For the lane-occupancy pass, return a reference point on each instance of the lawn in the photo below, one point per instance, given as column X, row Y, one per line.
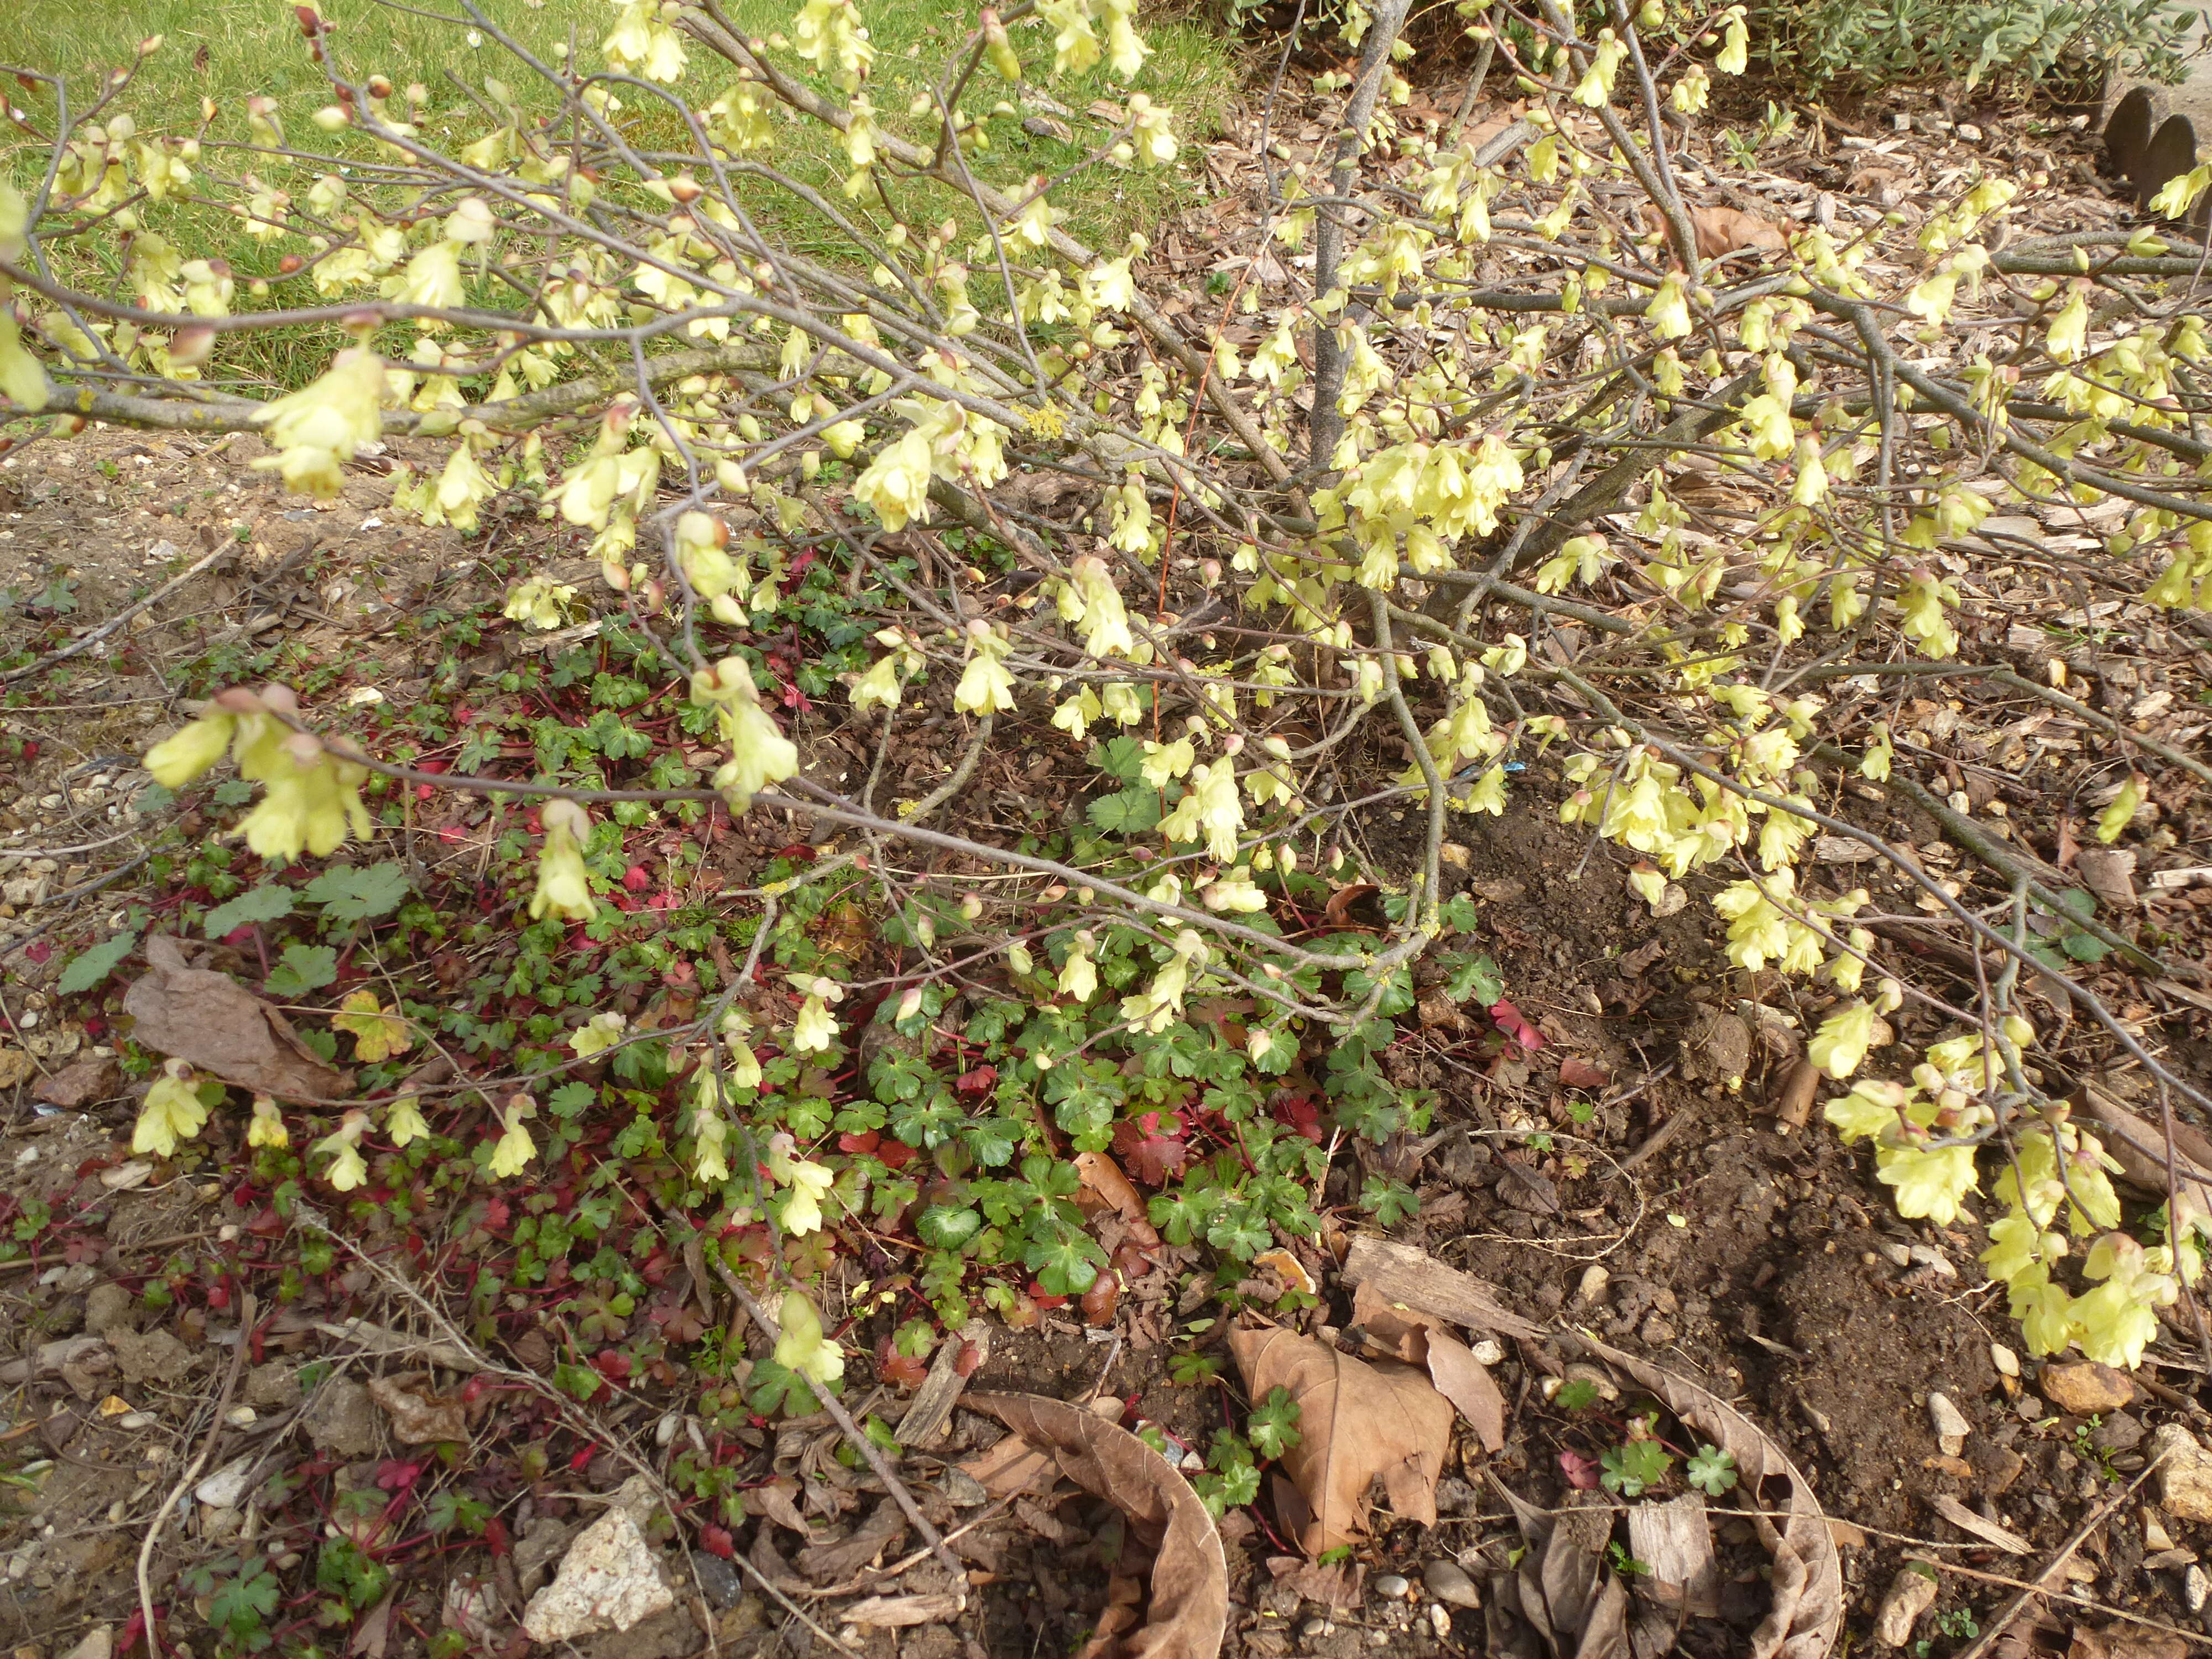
column 229, row 49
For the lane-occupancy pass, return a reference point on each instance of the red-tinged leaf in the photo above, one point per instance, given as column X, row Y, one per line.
column 799, row 852
column 393, row 1475
column 1301, row 1112
column 495, row 1214
column 1045, row 1298
column 981, row 1081
column 900, row 1370
column 716, row 1541
column 637, row 879
column 867, row 1141
column 40, row 952
column 611, row 1365
column 581, row 1460
column 495, row 1536
column 971, row 1356
column 1511, row 1021
column 1150, row 1147
column 1581, row 1471
column 896, row 1154
column 1577, row 1073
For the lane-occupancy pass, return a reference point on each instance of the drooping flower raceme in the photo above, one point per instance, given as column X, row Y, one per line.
column 759, row 752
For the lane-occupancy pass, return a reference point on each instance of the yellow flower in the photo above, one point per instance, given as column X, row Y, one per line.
column 600, row 1032
column 267, row 1127
column 514, row 1149
column 348, row 1169
column 800, row 1345
column 1843, row 1040
column 403, row 1120
column 564, row 889
column 173, row 1112
column 186, row 753
column 2121, row 813
column 22, row 378
column 1669, row 313
column 810, row 1184
column 1079, row 975
column 985, row 687
column 896, row 484
column 325, row 422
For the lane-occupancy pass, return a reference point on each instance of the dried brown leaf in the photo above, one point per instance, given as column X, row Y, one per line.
column 830, row 1563
column 1103, row 1177
column 1807, row 1613
column 1420, row 1339
column 420, row 1415
column 90, row 1078
column 1189, row 1607
column 1341, row 1585
column 1466, row 1382
column 1014, row 1465
column 211, row 1021
column 1356, row 1421
column 1723, row 230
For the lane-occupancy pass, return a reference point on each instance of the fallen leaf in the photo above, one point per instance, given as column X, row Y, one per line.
column 1566, row 1590
column 935, row 1608
column 1341, row 1585
column 218, row 1026
column 16, row 1066
column 1356, row 1421
column 1675, row 1541
column 1337, row 911
column 1723, row 230
column 88, row 1079
column 1188, row 1612
column 1413, row 1279
column 1151, row 1145
column 1511, row 1021
column 830, row 1563
column 778, row 1499
column 1288, row 1268
column 2126, row 1642
column 1103, row 1177
column 1806, row 1614
column 1574, row 1073
column 420, row 1416
column 1013, row 1465
column 1466, row 1382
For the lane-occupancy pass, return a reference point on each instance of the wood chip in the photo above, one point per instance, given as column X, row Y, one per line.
column 1989, row 1532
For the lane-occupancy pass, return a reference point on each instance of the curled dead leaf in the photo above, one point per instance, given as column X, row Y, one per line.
column 420, row 1415
column 1420, row 1339
column 1103, row 1177
column 1807, row 1613
column 1189, row 1605
column 211, row 1021
column 1356, row 1421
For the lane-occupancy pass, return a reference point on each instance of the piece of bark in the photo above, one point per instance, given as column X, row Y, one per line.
column 1675, row 1541
column 930, row 1409
column 1418, row 1279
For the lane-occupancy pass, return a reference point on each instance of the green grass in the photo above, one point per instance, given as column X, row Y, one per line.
column 226, row 51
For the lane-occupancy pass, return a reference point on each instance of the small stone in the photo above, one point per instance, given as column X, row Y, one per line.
column 1595, row 1277
column 611, row 1579
column 2156, row 1536
column 1969, row 133
column 2195, row 1588
column 2030, row 1407
column 109, row 1309
column 1928, row 1256
column 1951, row 1426
column 1391, row 1588
column 1896, row 1253
column 2119, row 1433
column 2006, row 1361
column 2165, row 1560
column 98, row 1643
column 1313, row 1627
column 2185, row 1473
column 225, row 1488
column 718, row 1578
column 273, row 1387
column 1488, row 1352
column 1910, row 1595
column 344, row 1419
column 1447, row 1582
column 2085, row 1389
column 1440, row 1621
